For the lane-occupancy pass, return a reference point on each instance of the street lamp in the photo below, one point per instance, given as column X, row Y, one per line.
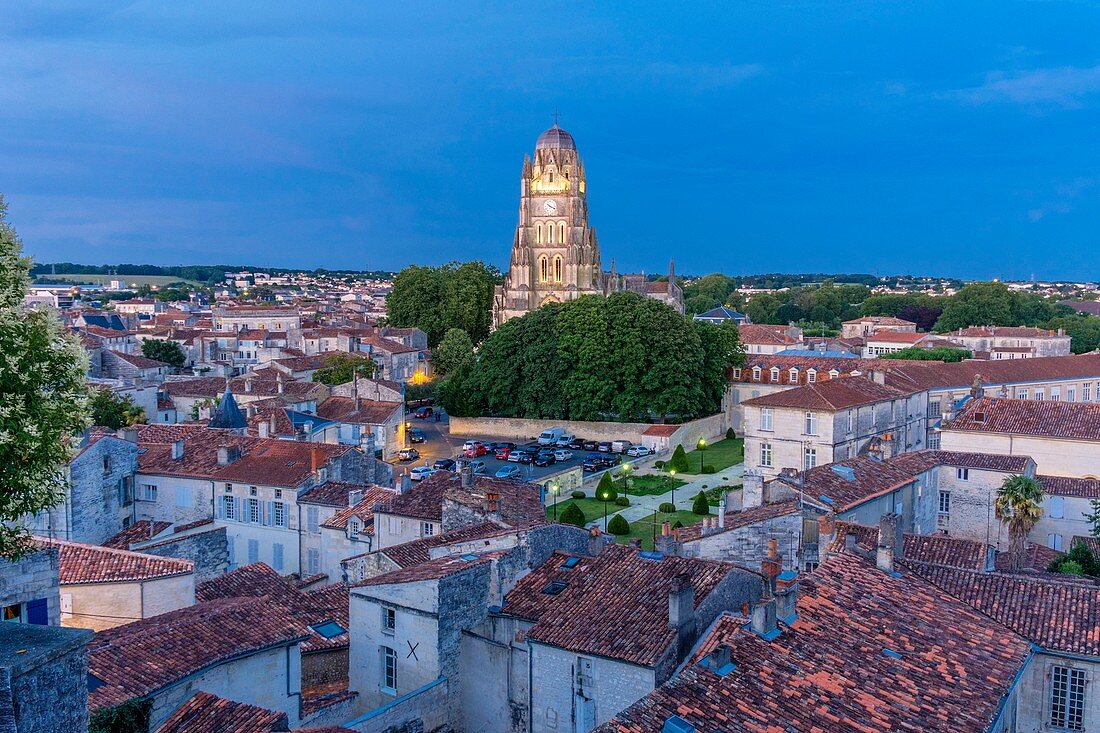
column 702, row 446
column 672, row 473
column 604, row 496
column 554, row 488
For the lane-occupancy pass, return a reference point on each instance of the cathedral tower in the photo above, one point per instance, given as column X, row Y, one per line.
column 555, row 255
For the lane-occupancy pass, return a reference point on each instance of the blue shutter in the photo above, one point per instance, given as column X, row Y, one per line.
column 269, row 513
column 38, row 612
column 277, row 556
column 221, row 507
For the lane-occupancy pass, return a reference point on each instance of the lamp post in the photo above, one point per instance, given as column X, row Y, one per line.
column 603, row 497
column 672, row 473
column 702, row 446
column 554, row 488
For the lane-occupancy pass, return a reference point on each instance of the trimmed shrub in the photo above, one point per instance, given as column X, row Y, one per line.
column 572, row 514
column 679, row 460
column 658, row 465
column 708, row 468
column 678, row 525
column 578, row 495
column 666, row 507
column 618, row 526
column 605, row 490
column 622, row 501
column 700, row 505
column 730, row 434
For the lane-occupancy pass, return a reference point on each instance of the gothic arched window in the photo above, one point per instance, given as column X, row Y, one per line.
column 557, row 269
column 561, row 232
column 544, row 269
column 538, row 233
column 550, row 232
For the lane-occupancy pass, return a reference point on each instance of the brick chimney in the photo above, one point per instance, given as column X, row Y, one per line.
column 681, row 602
column 466, row 477
column 772, row 564
column 891, row 543
column 177, row 450
column 722, row 512
column 248, row 384
column 492, row 503
column 314, row 458
column 596, row 541
column 764, row 619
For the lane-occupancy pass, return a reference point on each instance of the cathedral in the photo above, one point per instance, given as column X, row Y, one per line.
column 555, row 254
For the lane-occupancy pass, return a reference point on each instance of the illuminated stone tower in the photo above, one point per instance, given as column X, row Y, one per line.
column 555, row 255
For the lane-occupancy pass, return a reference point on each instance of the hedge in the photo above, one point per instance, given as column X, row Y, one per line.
column 622, row 501
column 573, row 515
column 578, row 495
column 730, row 434
column 618, row 526
column 666, row 507
column 700, row 505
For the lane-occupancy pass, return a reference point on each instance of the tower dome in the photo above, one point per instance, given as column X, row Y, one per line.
column 555, row 137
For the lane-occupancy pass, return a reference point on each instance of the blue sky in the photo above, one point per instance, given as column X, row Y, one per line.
column 887, row 137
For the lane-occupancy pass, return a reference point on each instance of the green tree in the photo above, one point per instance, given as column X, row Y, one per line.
column 618, row 525
column 722, row 350
column 1093, row 518
column 43, row 398
column 437, row 299
column 978, row 304
column 167, row 351
column 946, row 354
column 679, row 460
column 605, row 490
column 1019, row 506
column 114, row 411
column 456, row 350
column 572, row 514
column 1078, row 561
column 342, row 368
column 699, row 504
column 762, row 308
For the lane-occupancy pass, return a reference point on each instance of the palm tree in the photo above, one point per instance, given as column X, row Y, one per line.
column 1019, row 505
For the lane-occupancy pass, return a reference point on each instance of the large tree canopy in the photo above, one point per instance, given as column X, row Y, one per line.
column 43, row 398
column 623, row 357
column 167, row 351
column 437, row 299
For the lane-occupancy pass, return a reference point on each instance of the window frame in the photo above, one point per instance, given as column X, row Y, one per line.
column 388, row 682
column 1065, row 712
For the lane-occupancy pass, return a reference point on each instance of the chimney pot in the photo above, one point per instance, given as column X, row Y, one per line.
column 764, row 618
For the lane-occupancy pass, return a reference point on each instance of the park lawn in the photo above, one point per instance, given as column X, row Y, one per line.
column 643, row 528
column 722, row 454
column 592, row 508
column 649, row 485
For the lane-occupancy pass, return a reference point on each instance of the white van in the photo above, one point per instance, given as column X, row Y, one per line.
column 550, row 437
column 620, row 446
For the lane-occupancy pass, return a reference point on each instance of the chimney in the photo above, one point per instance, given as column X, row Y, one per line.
column 878, row 376
column 722, row 512
column 977, row 391
column 681, row 602
column 227, row 454
column 354, row 497
column 177, row 450
column 128, row 434
column 891, row 543
column 279, row 382
column 265, row 429
column 826, row 534
column 764, row 620
column 314, row 458
column 752, row 489
column 772, row 565
column 786, row 596
column 719, row 659
column 492, row 503
column 596, row 541
column 466, row 477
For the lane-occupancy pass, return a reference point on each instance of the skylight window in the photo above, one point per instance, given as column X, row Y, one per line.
column 570, row 563
column 554, row 587
column 469, row 557
column 329, row 629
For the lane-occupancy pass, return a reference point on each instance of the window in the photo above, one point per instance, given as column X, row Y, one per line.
column 278, row 515
column 228, row 508
column 811, row 423
column 353, row 527
column 561, row 235
column 1055, row 394
column 427, row 529
column 278, row 493
column 756, row 372
column 253, row 551
column 1086, row 391
column 1056, row 507
column 934, row 408
column 809, row 458
column 1054, row 541
column 766, row 454
column 557, row 269
column 811, row 376
column 737, row 373
column 313, row 520
column 538, row 233
column 277, row 556
column 793, row 376
column 544, row 269
column 1067, row 698
column 13, row 612
column 148, row 492
column 945, row 502
column 765, row 418
column 389, row 619
column 313, row 561
column 1071, row 394
column 833, row 374
column 1039, row 395
column 106, row 464
column 252, row 491
column 229, row 488
column 389, row 670
column 962, row 474
column 775, row 374
column 851, row 420
column 254, row 512
column 126, row 491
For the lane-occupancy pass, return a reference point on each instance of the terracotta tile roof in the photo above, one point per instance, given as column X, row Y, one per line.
column 738, row 520
column 247, row 581
column 206, row 713
column 335, row 493
column 1055, row 615
column 871, row 478
column 920, row 461
column 831, row 395
column 520, row 502
column 755, row 333
column 960, row 375
column 143, row 529
column 388, row 345
column 1080, row 488
column 440, row 567
column 821, row 365
column 1004, row 332
column 868, row 652
column 627, row 592
column 880, row 321
column 266, row 461
column 418, row 551
column 81, row 563
column 897, row 337
column 260, row 386
column 369, row 412
column 139, row 361
column 142, row 657
column 363, row 510
column 933, row 549
column 661, row 430
column 315, row 361
column 1042, row 418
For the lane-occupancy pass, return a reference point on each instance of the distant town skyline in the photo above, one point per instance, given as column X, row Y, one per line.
column 739, row 138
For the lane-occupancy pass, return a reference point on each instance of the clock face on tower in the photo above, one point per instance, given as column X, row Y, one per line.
column 551, row 206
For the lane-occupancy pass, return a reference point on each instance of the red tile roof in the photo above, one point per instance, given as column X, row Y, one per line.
column 880, row 321
column 141, row 530
column 363, row 510
column 142, row 657
column 872, row 478
column 830, row 395
column 933, row 549
column 417, row 551
column 335, row 493
column 1004, row 332
column 139, row 361
column 755, row 333
column 369, row 412
column 920, row 461
column 868, row 652
column 1080, row 488
column 897, row 337
column 1041, row 418
column 624, row 590
column 206, row 713
column 440, row 567
column 81, row 563
column 520, row 502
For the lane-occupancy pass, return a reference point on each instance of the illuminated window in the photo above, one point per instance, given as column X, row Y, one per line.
column 557, row 269
column 544, row 267
column 538, row 233
column 561, row 232
column 550, row 232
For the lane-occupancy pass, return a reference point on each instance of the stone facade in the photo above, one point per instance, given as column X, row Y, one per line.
column 43, row 679
column 208, row 548
column 29, row 590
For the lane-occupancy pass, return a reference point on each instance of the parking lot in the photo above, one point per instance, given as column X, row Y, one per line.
column 439, row 444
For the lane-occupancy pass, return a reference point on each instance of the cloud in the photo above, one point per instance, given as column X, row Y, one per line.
column 1065, row 87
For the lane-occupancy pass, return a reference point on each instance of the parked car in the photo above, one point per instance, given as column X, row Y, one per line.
column 470, row 444
column 520, row 456
column 610, row 459
column 476, row 450
column 416, row 435
column 589, row 445
column 421, row 472
column 604, row 446
column 620, row 446
column 444, row 464
column 501, row 454
column 637, row 450
column 565, row 440
column 592, row 464
column 551, row 436
column 561, row 454
column 509, row 471
column 545, row 458
column 423, row 412
column 477, row 466
column 498, row 445
column 408, row 454
column 576, row 444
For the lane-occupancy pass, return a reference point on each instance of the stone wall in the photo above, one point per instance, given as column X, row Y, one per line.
column 747, row 546
column 463, row 603
column 421, row 711
column 95, row 512
column 31, row 578
column 208, row 549
column 43, row 679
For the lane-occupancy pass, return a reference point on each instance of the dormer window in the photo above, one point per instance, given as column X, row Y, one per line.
column 833, row 374
column 793, row 375
column 775, row 374
column 811, row 375
column 353, row 527
column 756, row 373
